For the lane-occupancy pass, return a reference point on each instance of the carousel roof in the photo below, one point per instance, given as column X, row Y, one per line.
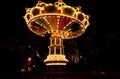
column 58, row 17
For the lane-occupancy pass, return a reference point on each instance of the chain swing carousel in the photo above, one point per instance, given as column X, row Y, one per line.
column 59, row 20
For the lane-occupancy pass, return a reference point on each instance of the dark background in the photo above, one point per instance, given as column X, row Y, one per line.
column 98, row 45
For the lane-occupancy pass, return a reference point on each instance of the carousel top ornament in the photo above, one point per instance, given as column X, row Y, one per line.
column 57, row 18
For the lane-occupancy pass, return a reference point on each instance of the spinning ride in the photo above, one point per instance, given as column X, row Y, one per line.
column 61, row 21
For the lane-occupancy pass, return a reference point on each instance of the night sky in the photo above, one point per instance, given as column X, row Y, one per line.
column 98, row 45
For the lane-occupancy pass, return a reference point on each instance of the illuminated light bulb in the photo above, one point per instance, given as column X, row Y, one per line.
column 29, row 59
column 60, row 0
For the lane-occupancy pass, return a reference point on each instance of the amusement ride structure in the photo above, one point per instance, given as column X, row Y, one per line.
column 59, row 20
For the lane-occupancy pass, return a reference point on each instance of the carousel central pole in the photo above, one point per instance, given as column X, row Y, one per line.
column 56, row 54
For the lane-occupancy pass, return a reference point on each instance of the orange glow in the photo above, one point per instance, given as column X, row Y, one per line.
column 60, row 0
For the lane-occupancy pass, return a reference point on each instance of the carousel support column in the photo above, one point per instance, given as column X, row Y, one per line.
column 56, row 58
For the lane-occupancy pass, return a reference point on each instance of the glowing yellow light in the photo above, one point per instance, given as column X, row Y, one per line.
column 56, row 59
column 55, row 64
